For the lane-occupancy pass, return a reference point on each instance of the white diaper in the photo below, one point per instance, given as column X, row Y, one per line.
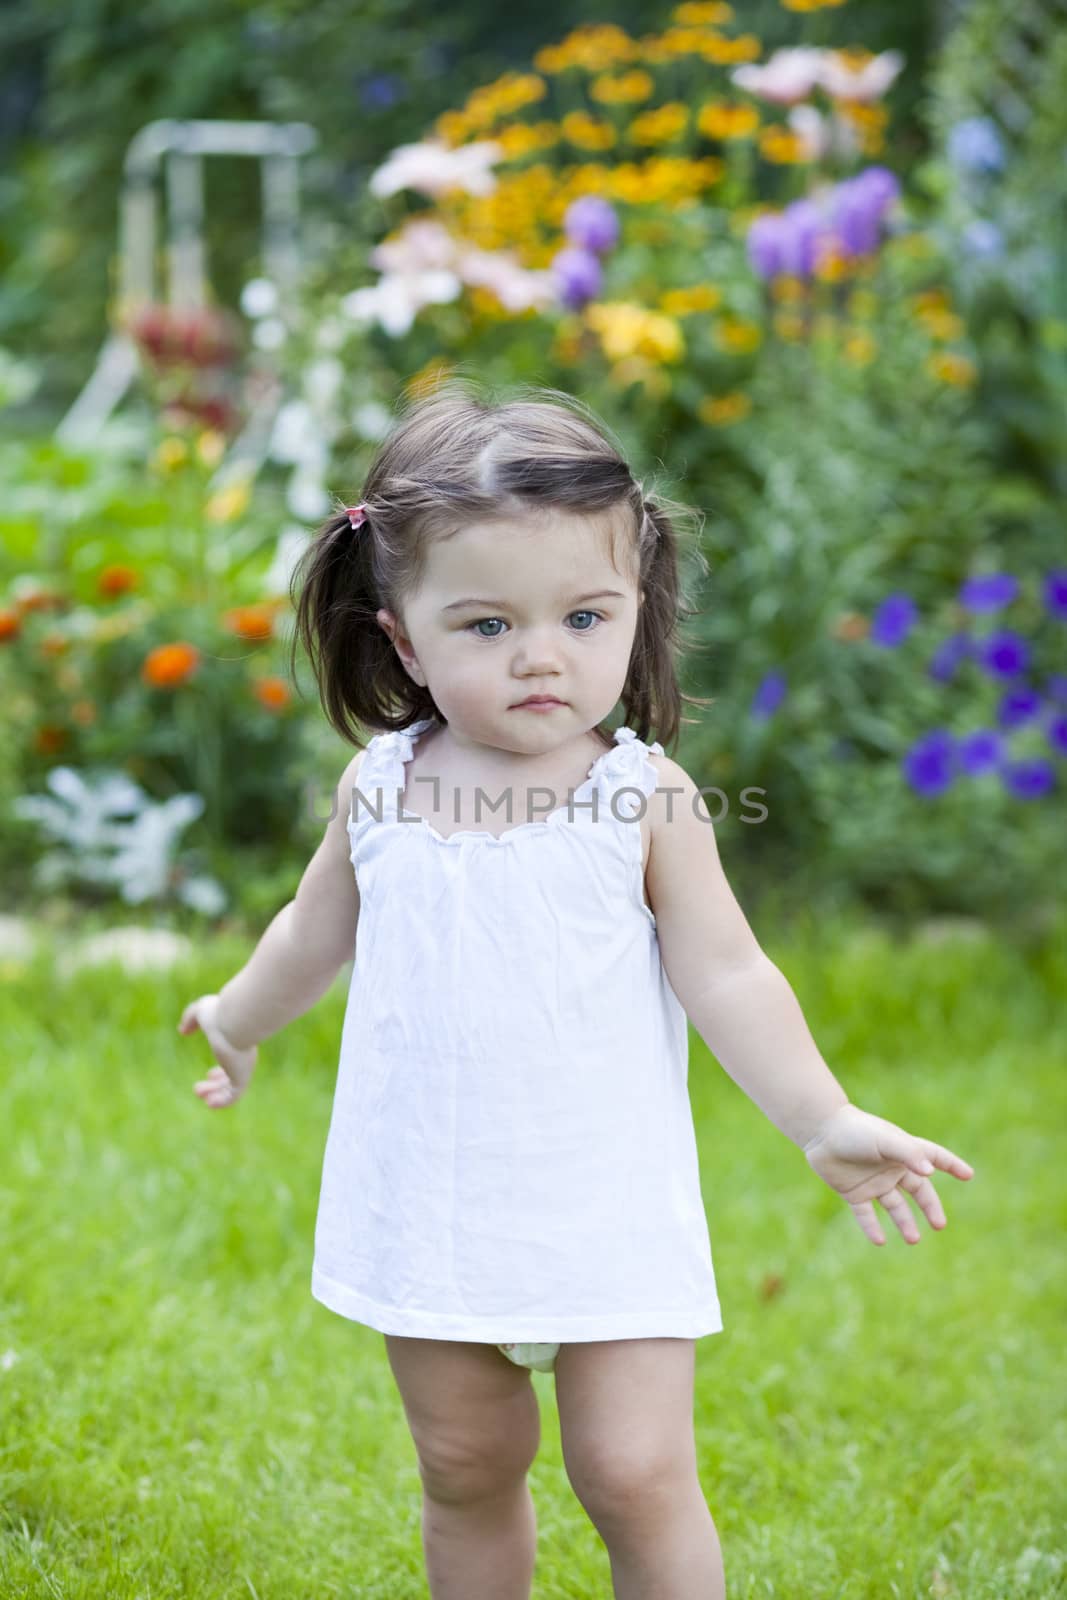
column 541, row 1357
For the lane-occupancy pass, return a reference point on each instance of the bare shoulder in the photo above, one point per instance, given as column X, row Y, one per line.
column 701, row 928
column 676, row 793
column 327, row 897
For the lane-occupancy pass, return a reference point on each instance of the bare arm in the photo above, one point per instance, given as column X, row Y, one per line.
column 740, row 1003
column 306, row 944
column 747, row 1013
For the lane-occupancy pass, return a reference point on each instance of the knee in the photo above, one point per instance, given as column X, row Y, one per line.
column 625, row 1486
column 460, row 1465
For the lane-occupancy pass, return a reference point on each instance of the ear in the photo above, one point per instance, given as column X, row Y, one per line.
column 390, row 625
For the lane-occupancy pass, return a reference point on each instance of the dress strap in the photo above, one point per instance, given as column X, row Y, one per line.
column 626, row 767
column 381, row 772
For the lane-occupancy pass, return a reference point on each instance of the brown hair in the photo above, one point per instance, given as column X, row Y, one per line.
column 455, row 457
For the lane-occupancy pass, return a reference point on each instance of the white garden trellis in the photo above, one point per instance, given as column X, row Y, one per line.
column 174, row 151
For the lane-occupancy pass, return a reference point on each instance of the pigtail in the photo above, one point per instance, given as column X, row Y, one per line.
column 359, row 676
column 652, row 698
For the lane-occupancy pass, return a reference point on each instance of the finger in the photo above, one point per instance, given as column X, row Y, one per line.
column 863, row 1211
column 947, row 1161
column 926, row 1198
column 898, row 1208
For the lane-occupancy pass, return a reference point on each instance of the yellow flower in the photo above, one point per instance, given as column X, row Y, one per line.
column 172, row 452
column 698, row 12
column 831, row 264
column 589, row 133
column 428, row 377
column 942, row 324
column 728, row 52
column 861, row 348
column 737, row 335
column 781, row 145
column 788, row 290
column 948, row 367
column 719, row 410
column 931, row 300
column 593, row 46
column 681, row 302
column 718, row 119
column 228, row 503
column 638, row 369
column 660, row 126
column 626, row 89
column 626, row 329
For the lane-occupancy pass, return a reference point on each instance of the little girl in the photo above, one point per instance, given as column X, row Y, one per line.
column 536, row 911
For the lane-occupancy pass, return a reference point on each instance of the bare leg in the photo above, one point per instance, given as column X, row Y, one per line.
column 672, row 1555
column 626, row 1423
column 484, row 1546
column 476, row 1425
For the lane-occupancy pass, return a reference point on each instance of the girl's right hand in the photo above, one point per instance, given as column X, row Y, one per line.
column 228, row 1081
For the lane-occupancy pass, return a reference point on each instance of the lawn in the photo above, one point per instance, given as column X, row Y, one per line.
column 180, row 1418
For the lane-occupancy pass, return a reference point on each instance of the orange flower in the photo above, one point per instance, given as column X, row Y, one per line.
column 850, row 625
column 272, row 693
column 54, row 644
column 250, row 622
column 48, row 739
column 116, row 579
column 719, row 410
column 169, row 665
column 10, row 624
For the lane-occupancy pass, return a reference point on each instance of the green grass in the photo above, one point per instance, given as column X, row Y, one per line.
column 178, row 1417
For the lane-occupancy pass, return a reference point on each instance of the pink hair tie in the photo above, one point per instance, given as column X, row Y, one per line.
column 357, row 515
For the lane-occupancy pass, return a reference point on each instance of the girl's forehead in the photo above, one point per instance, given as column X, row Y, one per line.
column 563, row 538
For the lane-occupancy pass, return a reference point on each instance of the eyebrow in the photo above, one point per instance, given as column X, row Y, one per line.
column 502, row 605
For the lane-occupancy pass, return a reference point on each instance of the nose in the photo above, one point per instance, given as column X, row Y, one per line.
column 536, row 653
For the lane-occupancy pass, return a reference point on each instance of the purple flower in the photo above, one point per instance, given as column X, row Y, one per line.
column 1017, row 705
column 975, row 145
column 979, row 751
column 948, row 655
column 1029, row 780
column 880, row 185
column 1004, row 655
column 800, row 240
column 1056, row 593
column 893, row 620
column 591, row 223
column 769, row 695
column 929, row 764
column 1056, row 733
column 856, row 216
column 578, row 277
column 765, row 244
column 988, row 592
column 1056, row 687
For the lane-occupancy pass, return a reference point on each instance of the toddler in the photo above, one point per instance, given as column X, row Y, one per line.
column 535, row 910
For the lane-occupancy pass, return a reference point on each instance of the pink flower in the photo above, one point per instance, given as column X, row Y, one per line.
column 843, row 81
column 786, row 77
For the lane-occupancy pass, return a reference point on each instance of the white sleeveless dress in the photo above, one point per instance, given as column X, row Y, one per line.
column 511, row 1153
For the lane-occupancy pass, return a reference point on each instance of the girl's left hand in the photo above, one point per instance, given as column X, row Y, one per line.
column 865, row 1158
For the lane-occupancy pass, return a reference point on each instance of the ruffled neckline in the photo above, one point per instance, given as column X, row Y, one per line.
column 398, row 747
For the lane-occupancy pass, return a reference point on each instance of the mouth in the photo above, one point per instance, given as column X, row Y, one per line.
column 538, row 700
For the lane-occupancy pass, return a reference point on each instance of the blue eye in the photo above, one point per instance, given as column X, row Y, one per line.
column 483, row 621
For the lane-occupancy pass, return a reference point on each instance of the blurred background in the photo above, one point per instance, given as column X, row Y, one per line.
column 808, row 262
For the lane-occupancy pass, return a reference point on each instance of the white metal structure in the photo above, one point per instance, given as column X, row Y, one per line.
column 175, row 150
